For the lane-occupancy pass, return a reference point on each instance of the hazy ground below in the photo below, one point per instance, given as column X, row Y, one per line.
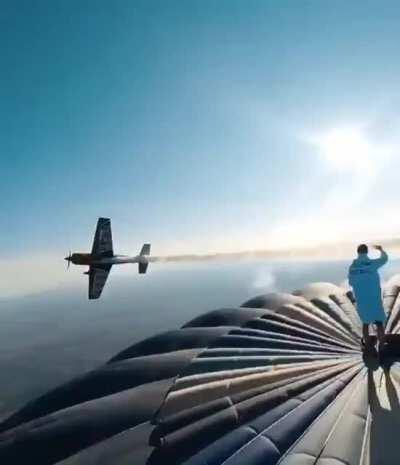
column 46, row 339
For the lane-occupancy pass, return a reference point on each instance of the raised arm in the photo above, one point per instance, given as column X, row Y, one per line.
column 378, row 262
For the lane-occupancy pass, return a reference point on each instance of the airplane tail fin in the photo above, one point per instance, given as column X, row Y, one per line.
column 145, row 252
column 145, row 249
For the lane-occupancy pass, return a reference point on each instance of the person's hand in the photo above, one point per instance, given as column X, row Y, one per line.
column 378, row 247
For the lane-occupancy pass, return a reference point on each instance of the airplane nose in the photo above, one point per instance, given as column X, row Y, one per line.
column 69, row 259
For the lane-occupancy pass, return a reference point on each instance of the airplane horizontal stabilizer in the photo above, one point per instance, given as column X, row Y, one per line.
column 143, row 268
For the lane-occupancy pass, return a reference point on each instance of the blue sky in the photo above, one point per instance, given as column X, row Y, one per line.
column 200, row 126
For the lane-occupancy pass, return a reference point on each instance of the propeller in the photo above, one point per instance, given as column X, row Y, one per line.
column 69, row 258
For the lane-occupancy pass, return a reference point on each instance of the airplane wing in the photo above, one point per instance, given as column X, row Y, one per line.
column 97, row 278
column 102, row 243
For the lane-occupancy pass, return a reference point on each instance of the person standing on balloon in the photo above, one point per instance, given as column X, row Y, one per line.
column 364, row 279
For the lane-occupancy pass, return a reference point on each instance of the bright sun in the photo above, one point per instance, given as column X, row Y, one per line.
column 345, row 148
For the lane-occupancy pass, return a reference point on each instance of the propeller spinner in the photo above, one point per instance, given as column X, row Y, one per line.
column 69, row 258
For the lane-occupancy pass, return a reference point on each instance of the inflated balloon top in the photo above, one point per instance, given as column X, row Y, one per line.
column 280, row 379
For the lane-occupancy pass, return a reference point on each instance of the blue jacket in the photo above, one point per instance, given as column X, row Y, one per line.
column 364, row 279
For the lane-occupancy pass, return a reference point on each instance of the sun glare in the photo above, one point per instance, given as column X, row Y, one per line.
column 345, row 148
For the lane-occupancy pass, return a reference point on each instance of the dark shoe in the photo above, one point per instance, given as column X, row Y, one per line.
column 382, row 346
column 369, row 343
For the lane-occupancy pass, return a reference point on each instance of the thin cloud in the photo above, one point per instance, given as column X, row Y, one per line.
column 264, row 280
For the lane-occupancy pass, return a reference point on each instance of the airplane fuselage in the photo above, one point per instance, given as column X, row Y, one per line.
column 90, row 259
